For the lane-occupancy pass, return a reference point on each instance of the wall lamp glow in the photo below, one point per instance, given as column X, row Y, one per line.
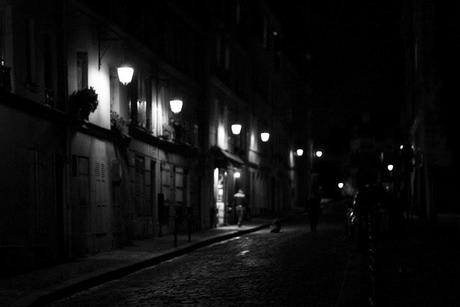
column 265, row 136
column 236, row 129
column 340, row 185
column 176, row 105
column 319, row 153
column 237, row 175
column 125, row 74
column 390, row 167
column 299, row 152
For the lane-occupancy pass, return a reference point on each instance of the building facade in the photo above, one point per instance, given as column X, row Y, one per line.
column 428, row 114
column 77, row 184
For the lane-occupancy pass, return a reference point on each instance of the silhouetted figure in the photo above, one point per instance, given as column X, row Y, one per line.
column 240, row 199
column 368, row 197
column 276, row 226
column 314, row 210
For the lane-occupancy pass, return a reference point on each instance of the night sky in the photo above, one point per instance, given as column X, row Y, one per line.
column 355, row 63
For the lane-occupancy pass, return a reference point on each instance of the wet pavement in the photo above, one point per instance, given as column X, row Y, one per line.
column 292, row 268
column 250, row 266
column 47, row 284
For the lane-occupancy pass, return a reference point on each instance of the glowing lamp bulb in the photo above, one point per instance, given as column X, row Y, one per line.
column 264, row 136
column 176, row 105
column 390, row 167
column 125, row 74
column 319, row 153
column 236, row 129
column 237, row 175
column 340, row 185
column 299, row 152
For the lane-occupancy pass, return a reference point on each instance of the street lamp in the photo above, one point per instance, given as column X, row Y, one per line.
column 340, row 185
column 176, row 105
column 319, row 153
column 125, row 74
column 299, row 152
column 264, row 136
column 390, row 167
column 236, row 129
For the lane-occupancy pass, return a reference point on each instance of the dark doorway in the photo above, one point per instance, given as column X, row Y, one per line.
column 59, row 177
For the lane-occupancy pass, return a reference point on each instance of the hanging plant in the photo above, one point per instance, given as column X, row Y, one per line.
column 83, row 102
column 168, row 132
column 119, row 124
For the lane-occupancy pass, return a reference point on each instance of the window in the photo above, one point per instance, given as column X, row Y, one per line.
column 141, row 102
column 164, row 195
column 144, row 101
column 5, row 79
column 30, row 54
column 2, row 34
column 82, row 70
column 142, row 187
column 227, row 58
column 166, row 182
column 114, row 90
column 48, row 70
column 238, row 13
column 133, row 97
column 159, row 116
column 218, row 49
column 265, row 33
column 179, row 185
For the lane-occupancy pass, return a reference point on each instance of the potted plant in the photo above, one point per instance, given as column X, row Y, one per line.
column 83, row 102
column 168, row 132
column 120, row 126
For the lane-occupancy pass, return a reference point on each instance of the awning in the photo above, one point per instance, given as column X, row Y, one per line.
column 224, row 157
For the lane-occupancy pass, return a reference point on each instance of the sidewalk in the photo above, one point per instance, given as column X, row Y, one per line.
column 49, row 284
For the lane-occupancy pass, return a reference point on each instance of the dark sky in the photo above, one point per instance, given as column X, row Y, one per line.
column 356, row 59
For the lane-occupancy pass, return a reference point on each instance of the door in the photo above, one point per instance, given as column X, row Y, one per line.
column 101, row 219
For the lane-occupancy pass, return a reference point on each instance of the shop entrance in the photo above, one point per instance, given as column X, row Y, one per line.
column 220, row 193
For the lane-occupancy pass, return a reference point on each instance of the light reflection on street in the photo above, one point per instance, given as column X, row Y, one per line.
column 243, row 253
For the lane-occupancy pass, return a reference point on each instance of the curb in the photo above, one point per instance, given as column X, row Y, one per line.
column 46, row 297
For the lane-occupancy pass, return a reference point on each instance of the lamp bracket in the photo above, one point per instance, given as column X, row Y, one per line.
column 101, row 50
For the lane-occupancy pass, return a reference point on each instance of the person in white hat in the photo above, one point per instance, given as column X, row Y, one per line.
column 240, row 198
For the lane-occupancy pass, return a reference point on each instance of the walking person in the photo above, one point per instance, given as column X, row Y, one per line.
column 240, row 205
column 314, row 210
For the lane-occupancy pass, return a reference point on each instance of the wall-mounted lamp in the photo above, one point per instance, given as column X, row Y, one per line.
column 390, row 167
column 236, row 175
column 264, row 136
column 299, row 152
column 319, row 153
column 125, row 74
column 340, row 185
column 176, row 105
column 236, row 129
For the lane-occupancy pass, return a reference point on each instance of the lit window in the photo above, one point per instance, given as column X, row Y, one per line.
column 82, row 70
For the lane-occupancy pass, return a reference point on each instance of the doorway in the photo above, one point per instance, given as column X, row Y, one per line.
column 220, row 193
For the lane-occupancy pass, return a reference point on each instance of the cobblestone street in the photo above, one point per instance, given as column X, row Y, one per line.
column 291, row 268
